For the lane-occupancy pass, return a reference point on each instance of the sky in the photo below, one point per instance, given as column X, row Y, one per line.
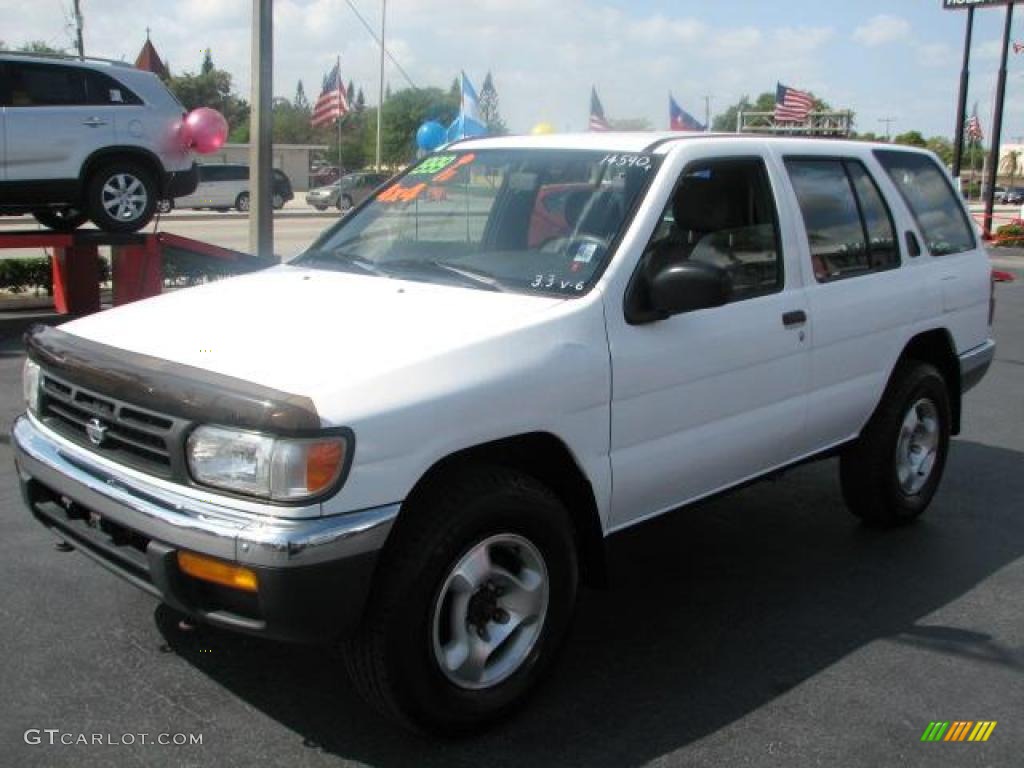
column 895, row 59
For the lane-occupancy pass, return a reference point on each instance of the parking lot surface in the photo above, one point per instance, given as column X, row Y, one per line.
column 763, row 628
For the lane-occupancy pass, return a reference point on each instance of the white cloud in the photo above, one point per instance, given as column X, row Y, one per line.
column 882, row 29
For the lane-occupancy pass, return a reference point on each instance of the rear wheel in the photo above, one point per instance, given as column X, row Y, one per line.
column 164, row 206
column 345, row 203
column 891, row 473
column 474, row 597
column 61, row 219
column 242, row 202
column 277, row 201
column 121, row 197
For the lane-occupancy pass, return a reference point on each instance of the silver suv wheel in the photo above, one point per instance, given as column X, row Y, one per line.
column 917, row 446
column 124, row 197
column 490, row 611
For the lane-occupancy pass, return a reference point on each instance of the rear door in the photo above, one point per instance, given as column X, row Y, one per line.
column 51, row 128
column 863, row 302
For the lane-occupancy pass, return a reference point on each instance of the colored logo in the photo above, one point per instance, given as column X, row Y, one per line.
column 959, row 730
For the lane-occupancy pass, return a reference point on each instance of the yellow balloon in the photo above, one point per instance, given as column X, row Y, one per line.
column 541, row 129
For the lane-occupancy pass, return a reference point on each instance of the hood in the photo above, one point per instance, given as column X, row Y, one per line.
column 305, row 330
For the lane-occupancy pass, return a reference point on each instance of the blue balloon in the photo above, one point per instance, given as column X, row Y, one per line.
column 430, row 136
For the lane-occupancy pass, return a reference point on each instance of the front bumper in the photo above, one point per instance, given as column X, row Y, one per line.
column 974, row 364
column 181, row 183
column 314, row 574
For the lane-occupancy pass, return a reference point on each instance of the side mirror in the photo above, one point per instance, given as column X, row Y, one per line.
column 663, row 288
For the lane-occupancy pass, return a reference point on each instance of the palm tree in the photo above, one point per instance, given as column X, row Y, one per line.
column 1011, row 161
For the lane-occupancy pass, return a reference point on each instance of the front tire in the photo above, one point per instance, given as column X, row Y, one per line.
column 345, row 203
column 474, row 596
column 242, row 202
column 891, row 473
column 121, row 197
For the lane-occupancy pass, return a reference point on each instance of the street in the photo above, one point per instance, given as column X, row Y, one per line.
column 294, row 228
column 763, row 628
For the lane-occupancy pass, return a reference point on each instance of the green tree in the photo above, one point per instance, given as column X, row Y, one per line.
column 911, row 139
column 630, row 124
column 942, row 147
column 212, row 89
column 490, row 111
column 360, row 101
column 406, row 111
column 350, row 94
column 207, row 65
column 726, row 121
column 455, row 91
column 40, row 46
column 300, row 101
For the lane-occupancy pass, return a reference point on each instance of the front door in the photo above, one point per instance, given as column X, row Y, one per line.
column 707, row 399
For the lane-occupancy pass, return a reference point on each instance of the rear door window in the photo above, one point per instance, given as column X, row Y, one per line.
column 104, row 90
column 849, row 228
column 931, row 199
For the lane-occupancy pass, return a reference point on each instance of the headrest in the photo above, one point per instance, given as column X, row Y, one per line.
column 703, row 205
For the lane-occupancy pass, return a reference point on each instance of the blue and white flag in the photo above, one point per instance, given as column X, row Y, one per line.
column 468, row 122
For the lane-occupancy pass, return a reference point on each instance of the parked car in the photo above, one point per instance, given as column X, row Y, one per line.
column 223, row 186
column 88, row 139
column 423, row 449
column 1012, row 196
column 347, row 192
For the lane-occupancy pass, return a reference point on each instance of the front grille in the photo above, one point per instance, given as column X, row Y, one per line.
column 130, row 435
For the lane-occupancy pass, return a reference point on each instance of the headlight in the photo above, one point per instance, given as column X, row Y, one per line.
column 30, row 385
column 282, row 469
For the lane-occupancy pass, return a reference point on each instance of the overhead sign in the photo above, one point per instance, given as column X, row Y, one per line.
column 957, row 5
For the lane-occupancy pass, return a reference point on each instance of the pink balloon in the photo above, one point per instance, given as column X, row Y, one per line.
column 204, row 130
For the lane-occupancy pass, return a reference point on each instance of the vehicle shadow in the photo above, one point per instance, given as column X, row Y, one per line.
column 716, row 611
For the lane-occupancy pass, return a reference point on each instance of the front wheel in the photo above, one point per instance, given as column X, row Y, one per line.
column 121, row 197
column 891, row 473
column 474, row 597
column 164, row 206
column 277, row 201
column 345, row 203
column 242, row 202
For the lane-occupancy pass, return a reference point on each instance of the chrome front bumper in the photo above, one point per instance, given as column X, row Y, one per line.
column 98, row 509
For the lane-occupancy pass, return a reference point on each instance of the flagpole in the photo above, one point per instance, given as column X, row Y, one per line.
column 338, row 120
column 380, row 92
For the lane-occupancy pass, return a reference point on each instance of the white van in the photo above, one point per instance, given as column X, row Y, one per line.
column 516, row 349
column 223, row 186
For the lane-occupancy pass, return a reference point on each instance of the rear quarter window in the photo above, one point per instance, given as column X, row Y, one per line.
column 931, row 199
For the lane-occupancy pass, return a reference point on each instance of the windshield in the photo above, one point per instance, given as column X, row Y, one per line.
column 522, row 220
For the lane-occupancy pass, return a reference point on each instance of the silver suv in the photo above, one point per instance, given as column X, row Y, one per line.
column 88, row 139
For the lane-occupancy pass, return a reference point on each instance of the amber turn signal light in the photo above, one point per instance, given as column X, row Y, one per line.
column 217, row 571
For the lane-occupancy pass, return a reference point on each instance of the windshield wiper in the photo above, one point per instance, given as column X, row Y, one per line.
column 469, row 276
column 339, row 262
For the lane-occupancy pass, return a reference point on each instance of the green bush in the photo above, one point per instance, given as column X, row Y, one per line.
column 1010, row 235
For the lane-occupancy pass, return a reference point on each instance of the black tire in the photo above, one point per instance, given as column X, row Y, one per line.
column 164, row 206
column 392, row 659
column 869, row 470
column 61, row 219
column 320, row 207
column 345, row 203
column 277, row 201
column 121, row 175
column 242, row 202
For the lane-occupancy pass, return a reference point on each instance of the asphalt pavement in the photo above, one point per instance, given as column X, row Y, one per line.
column 766, row 628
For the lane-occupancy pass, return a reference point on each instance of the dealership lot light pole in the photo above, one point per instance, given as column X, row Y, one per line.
column 261, row 221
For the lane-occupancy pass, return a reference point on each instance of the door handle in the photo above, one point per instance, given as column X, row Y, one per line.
column 796, row 317
column 93, row 122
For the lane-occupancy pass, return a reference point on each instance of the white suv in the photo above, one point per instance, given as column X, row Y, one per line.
column 518, row 348
column 88, row 139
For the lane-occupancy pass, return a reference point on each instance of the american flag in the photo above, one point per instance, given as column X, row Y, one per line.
column 974, row 132
column 791, row 105
column 597, row 119
column 332, row 103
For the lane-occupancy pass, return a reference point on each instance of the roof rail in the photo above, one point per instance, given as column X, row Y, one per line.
column 69, row 57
